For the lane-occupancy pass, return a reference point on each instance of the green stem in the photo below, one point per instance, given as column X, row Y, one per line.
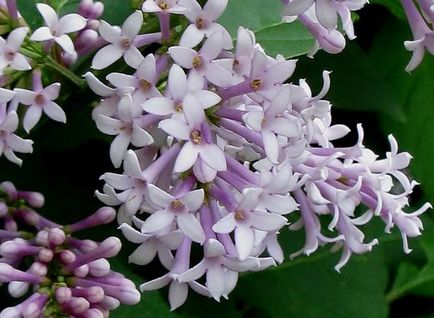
column 54, row 65
column 51, row 63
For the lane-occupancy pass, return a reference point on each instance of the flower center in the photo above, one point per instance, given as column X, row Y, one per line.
column 197, row 62
column 255, row 84
column 240, row 215
column 196, row 137
column 10, row 55
column 125, row 43
column 40, row 99
column 163, row 5
column 144, row 84
column 177, row 205
column 179, row 108
column 201, row 23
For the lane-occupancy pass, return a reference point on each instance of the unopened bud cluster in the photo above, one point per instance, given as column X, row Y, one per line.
column 55, row 273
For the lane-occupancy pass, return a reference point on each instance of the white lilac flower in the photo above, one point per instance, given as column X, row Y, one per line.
column 9, row 50
column 203, row 22
column 127, row 129
column 195, row 133
column 40, row 100
column 121, row 42
column 203, row 63
column 179, row 208
column 178, row 88
column 58, row 29
column 272, row 123
column 244, row 219
column 163, row 6
column 143, row 81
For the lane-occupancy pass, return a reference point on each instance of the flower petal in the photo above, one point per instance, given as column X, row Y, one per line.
column 161, row 106
column 267, row 221
column 191, row 227
column 244, row 241
column 175, row 128
column 177, row 83
column 48, row 14
column 192, row 36
column 42, row 34
column 214, row 157
column 132, row 25
column 55, row 112
column 193, row 199
column 143, row 255
column 183, row 56
column 118, row 148
column 31, row 118
column 159, row 197
column 65, row 43
column 158, row 221
column 71, row 23
column 106, row 56
column 226, row 224
column 186, row 157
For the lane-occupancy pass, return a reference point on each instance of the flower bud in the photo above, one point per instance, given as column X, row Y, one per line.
column 56, row 236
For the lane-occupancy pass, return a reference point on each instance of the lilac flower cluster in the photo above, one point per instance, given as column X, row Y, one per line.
column 61, row 276
column 22, row 56
column 217, row 151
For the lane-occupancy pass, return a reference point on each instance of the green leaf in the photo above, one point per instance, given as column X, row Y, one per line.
column 393, row 5
column 264, row 18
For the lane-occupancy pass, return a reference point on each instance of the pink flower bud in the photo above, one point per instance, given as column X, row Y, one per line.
column 56, row 236
column 63, row 294
column 45, row 255
column 81, row 271
column 67, row 257
column 17, row 289
column 99, row 268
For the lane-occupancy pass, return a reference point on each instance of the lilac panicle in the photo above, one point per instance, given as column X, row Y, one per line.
column 68, row 276
column 222, row 150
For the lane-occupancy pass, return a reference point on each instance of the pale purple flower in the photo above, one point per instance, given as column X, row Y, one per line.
column 41, row 100
column 179, row 209
column 244, row 219
column 151, row 245
column 272, row 122
column 203, row 63
column 143, row 81
column 203, row 22
column 127, row 129
column 9, row 50
column 57, row 29
column 221, row 271
column 178, row 88
column 121, row 42
column 163, row 6
column 194, row 132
